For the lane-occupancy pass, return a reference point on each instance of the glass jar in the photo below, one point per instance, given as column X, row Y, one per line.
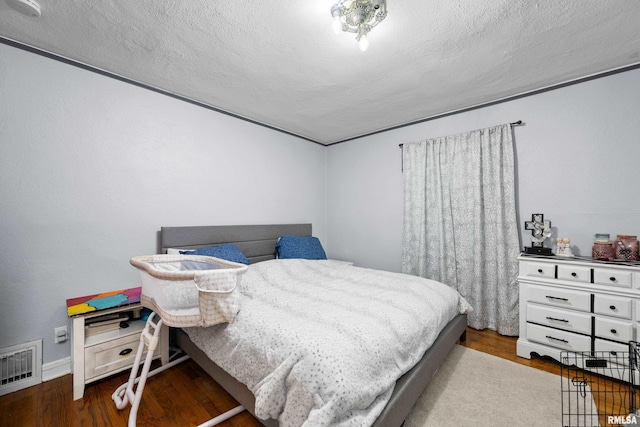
column 603, row 250
column 626, row 247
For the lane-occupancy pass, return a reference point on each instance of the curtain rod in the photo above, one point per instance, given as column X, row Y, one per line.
column 518, row 123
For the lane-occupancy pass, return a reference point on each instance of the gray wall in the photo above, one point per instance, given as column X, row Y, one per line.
column 91, row 168
column 577, row 162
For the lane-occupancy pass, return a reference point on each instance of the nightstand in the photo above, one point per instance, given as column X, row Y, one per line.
column 97, row 355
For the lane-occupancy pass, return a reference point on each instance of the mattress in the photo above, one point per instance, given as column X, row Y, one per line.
column 322, row 342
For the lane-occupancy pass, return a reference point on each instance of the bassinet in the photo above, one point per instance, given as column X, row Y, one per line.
column 190, row 290
column 184, row 290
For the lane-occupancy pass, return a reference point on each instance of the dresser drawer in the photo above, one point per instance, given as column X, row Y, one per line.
column 559, row 339
column 613, row 351
column 566, row 298
column 540, row 269
column 611, row 277
column 558, row 318
column 574, row 273
column 111, row 356
column 612, row 306
column 614, row 329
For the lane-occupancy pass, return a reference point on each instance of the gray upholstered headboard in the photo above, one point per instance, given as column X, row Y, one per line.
column 257, row 242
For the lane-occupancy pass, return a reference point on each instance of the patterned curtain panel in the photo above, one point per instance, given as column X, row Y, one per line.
column 460, row 221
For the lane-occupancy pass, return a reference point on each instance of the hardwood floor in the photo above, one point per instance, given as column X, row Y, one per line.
column 491, row 342
column 181, row 396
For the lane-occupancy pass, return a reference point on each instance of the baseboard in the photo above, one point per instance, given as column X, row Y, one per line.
column 56, row 369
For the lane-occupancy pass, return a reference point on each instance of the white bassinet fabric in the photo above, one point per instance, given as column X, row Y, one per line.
column 190, row 290
column 217, row 300
column 321, row 343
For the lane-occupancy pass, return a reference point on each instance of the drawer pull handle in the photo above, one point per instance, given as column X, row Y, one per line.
column 612, row 307
column 561, row 299
column 540, row 271
column 613, row 331
column 557, row 320
column 557, row 339
column 612, row 278
column 574, row 274
column 126, row 351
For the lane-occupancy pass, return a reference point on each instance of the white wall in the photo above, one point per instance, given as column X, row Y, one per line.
column 578, row 162
column 91, row 168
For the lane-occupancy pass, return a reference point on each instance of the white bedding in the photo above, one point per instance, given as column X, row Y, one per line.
column 322, row 343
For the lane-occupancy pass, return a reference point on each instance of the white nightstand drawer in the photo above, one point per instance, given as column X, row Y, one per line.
column 610, row 277
column 566, row 298
column 612, row 306
column 614, row 329
column 111, row 356
column 559, row 339
column 574, row 273
column 558, row 318
column 540, row 269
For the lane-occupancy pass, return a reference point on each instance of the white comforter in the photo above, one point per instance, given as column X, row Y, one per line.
column 322, row 343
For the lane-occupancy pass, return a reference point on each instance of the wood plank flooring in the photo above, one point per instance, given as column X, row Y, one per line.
column 181, row 396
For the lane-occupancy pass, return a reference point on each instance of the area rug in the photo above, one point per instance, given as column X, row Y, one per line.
column 473, row 388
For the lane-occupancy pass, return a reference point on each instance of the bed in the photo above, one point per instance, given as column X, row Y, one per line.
column 258, row 243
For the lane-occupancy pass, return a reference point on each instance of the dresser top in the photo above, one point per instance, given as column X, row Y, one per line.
column 577, row 259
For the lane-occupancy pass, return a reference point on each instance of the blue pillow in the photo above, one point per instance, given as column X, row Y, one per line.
column 227, row 251
column 306, row 247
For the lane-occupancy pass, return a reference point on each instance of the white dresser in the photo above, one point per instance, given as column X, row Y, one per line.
column 578, row 305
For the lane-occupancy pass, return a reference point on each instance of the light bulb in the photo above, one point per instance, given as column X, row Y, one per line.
column 337, row 24
column 363, row 43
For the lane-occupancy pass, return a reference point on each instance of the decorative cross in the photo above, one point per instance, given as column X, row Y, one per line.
column 540, row 229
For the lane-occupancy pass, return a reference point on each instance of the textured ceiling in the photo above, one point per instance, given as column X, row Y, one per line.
column 279, row 63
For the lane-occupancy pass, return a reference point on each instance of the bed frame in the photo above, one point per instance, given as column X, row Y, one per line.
column 258, row 243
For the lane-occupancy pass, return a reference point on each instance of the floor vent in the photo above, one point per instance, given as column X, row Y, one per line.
column 20, row 366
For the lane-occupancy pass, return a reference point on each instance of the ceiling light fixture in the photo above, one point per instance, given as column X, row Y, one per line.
column 26, row 7
column 358, row 16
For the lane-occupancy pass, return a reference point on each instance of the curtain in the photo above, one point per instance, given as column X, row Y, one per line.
column 460, row 221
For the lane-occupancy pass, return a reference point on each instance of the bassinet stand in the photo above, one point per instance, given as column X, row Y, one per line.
column 125, row 393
